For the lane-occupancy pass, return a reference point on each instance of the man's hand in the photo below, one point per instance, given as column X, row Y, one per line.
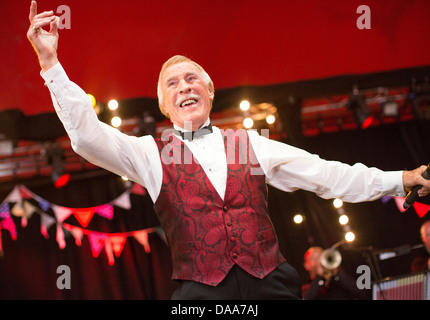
column 45, row 43
column 413, row 178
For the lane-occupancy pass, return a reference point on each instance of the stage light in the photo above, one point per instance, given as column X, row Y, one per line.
column 248, row 123
column 343, row 219
column 93, row 100
column 270, row 119
column 298, row 218
column 350, row 236
column 113, row 105
column 55, row 157
column 116, row 122
column 244, row 105
column 337, row 203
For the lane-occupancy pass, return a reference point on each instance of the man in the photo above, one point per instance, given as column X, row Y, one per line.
column 212, row 206
column 327, row 284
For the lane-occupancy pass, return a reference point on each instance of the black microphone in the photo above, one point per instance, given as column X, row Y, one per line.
column 412, row 196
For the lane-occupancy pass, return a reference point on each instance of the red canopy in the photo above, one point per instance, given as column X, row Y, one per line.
column 114, row 49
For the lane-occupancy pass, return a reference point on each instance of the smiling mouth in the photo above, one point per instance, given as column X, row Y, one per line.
column 188, row 102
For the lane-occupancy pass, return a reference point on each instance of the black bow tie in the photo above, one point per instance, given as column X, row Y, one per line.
column 195, row 134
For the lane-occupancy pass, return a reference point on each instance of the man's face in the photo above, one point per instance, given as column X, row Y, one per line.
column 186, row 96
column 425, row 234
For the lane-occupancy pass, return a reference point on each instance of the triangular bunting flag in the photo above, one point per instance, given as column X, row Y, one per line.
column 421, row 209
column 6, row 221
column 109, row 251
column 123, row 201
column 105, row 210
column 14, row 196
column 60, row 236
column 138, row 189
column 97, row 242
column 25, row 193
column 142, row 237
column 83, row 216
column 76, row 232
column 61, row 213
column 399, row 203
column 45, row 222
column 118, row 242
column 18, row 209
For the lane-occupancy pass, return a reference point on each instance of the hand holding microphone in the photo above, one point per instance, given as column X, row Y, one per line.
column 412, row 196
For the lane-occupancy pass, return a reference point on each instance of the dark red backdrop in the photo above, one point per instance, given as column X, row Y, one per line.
column 114, row 49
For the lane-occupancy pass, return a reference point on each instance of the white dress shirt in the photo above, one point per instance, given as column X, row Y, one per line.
column 137, row 158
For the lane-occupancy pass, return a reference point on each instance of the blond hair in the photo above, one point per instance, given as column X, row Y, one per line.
column 175, row 60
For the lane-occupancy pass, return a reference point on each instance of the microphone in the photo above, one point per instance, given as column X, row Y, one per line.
column 412, row 196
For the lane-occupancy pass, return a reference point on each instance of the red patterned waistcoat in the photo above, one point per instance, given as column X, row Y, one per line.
column 208, row 235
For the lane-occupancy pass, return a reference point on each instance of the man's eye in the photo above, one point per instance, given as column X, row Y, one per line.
column 192, row 78
column 171, row 83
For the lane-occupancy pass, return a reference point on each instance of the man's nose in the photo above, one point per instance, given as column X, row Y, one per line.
column 184, row 86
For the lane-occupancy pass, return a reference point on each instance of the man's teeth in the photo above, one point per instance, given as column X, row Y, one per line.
column 188, row 102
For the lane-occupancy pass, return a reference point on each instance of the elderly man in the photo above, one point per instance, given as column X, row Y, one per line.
column 213, row 207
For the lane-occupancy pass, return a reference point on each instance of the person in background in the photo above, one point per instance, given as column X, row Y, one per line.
column 328, row 284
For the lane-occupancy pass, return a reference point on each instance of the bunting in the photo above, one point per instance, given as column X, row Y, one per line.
column 421, row 209
column 18, row 204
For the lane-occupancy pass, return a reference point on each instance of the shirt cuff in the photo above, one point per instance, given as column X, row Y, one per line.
column 55, row 78
column 392, row 182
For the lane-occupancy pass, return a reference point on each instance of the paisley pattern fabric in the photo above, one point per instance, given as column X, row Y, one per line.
column 207, row 235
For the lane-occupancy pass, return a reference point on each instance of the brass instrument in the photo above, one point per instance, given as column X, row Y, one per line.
column 331, row 258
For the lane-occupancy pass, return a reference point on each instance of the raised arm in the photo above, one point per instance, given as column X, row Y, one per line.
column 137, row 158
column 44, row 42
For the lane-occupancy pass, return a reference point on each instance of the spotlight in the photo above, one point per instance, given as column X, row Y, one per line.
column 298, row 218
column 113, row 105
column 343, row 219
column 244, row 105
column 116, row 122
column 248, row 123
column 55, row 157
column 270, row 119
column 357, row 104
column 350, row 236
column 337, row 203
column 93, row 100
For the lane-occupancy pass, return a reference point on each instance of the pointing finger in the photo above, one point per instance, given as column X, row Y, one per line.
column 33, row 10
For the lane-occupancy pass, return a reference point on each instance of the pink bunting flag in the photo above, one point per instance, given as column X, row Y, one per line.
column 105, row 210
column 97, row 242
column 399, row 203
column 6, row 221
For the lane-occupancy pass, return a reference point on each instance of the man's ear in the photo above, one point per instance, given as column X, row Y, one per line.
column 211, row 94
column 163, row 109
